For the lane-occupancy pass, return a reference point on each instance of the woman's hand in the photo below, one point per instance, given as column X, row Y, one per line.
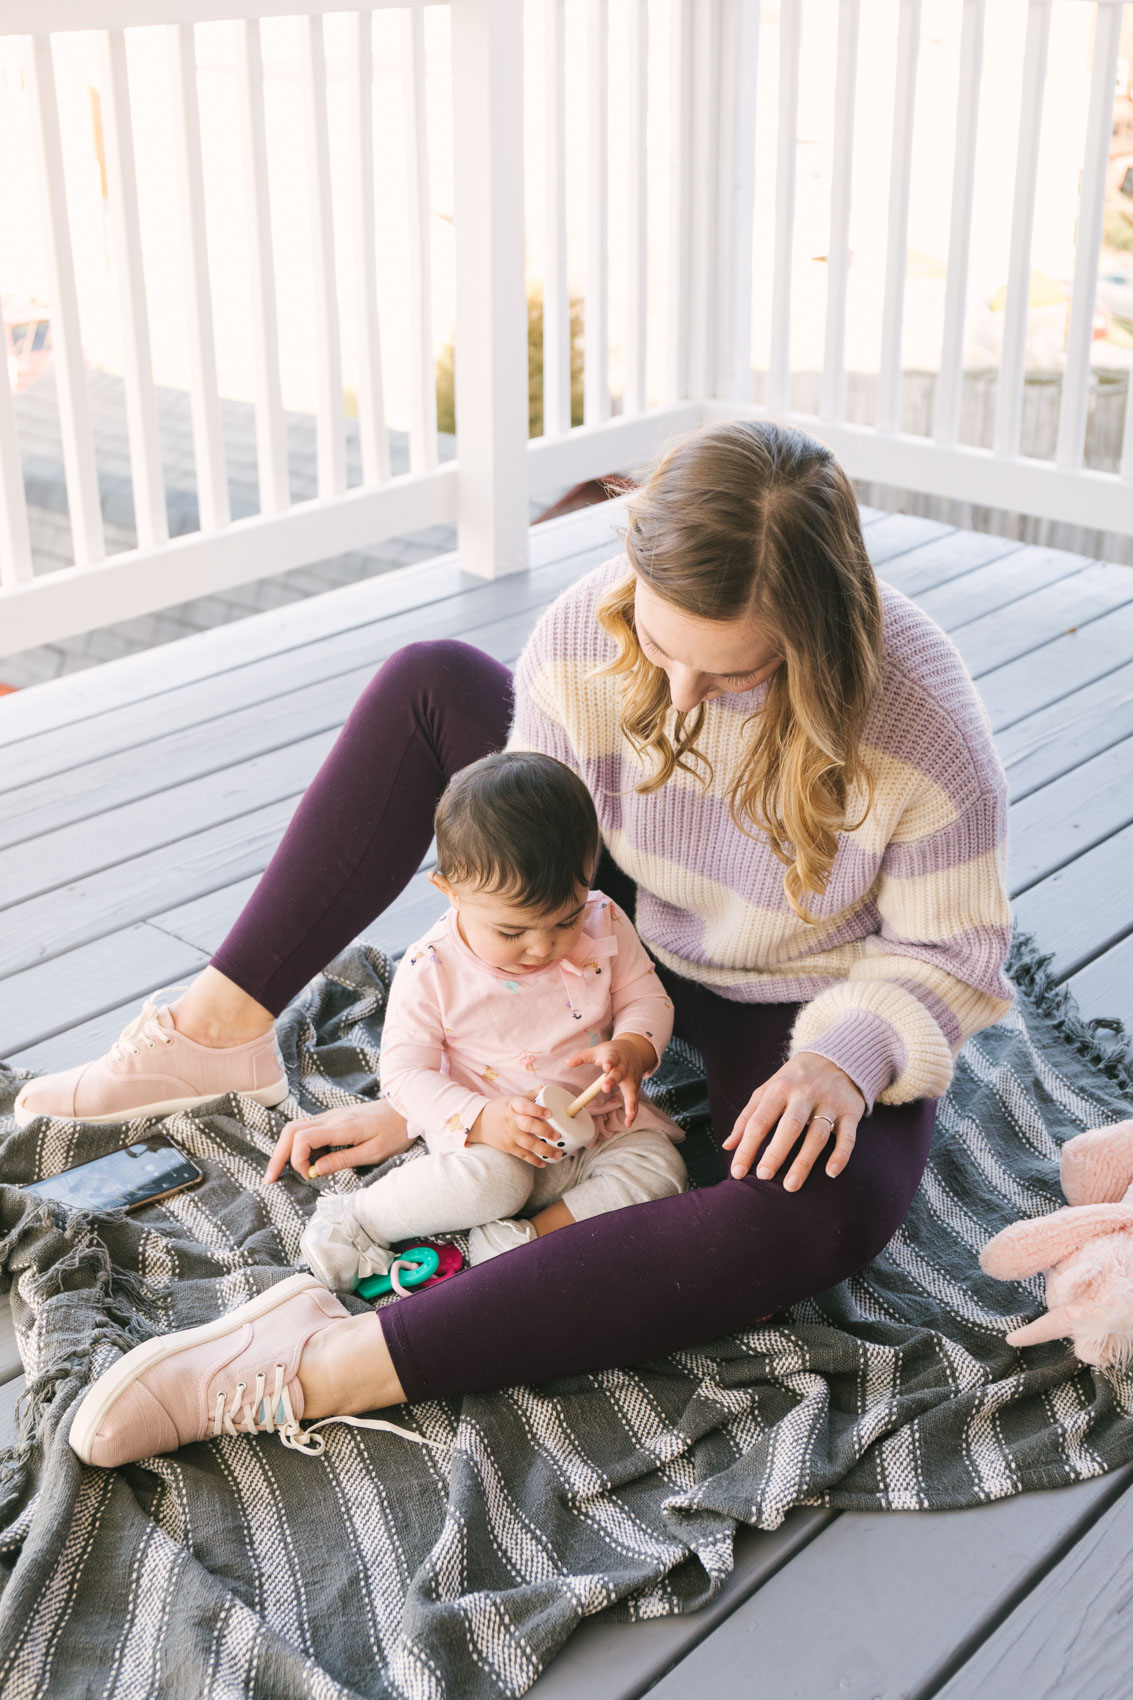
column 808, row 1092
column 368, row 1133
column 518, row 1126
column 623, row 1060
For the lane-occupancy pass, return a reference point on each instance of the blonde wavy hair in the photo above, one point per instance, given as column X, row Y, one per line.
column 754, row 519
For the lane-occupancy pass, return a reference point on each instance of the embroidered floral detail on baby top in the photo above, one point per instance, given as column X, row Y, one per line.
column 527, row 1060
column 429, row 953
column 455, row 1125
column 511, row 985
column 488, row 1073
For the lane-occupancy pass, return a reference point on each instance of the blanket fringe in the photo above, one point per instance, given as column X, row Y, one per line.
column 1029, row 969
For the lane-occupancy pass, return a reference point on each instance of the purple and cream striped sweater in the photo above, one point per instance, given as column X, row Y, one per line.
column 904, row 958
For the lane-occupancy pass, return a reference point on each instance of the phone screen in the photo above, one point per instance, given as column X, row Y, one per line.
column 122, row 1179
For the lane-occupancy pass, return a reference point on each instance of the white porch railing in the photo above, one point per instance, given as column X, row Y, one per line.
column 698, row 366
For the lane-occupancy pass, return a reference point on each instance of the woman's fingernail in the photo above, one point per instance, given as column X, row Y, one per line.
column 312, row 1172
column 738, row 1172
column 834, row 1169
column 790, row 1183
column 763, row 1172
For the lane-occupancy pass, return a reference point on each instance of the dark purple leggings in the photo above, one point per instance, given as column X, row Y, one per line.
column 619, row 1288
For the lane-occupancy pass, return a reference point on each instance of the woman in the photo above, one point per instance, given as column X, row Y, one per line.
column 802, row 808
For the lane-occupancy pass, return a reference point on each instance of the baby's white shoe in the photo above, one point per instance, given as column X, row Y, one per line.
column 337, row 1247
column 495, row 1237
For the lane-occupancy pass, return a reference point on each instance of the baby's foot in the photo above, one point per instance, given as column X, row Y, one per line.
column 338, row 1248
column 152, row 1069
column 495, row 1237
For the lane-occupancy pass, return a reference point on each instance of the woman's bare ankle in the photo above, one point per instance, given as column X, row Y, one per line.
column 215, row 1012
column 346, row 1369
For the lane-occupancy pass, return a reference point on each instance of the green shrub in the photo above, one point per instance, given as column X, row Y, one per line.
column 446, row 411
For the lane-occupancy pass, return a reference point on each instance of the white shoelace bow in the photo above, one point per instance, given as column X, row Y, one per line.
column 258, row 1415
column 144, row 1027
column 346, row 1230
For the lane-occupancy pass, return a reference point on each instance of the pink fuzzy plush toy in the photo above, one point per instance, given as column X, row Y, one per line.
column 1086, row 1251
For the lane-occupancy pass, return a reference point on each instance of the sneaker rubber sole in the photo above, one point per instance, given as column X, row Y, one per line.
column 269, row 1096
column 95, row 1403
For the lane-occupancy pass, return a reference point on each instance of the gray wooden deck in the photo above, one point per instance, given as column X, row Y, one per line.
column 143, row 798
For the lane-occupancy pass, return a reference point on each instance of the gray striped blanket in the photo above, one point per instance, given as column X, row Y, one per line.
column 237, row 1567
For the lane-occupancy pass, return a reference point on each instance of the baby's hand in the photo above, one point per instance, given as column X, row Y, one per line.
column 515, row 1125
column 623, row 1060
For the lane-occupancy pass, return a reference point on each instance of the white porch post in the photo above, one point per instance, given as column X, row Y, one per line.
column 491, row 302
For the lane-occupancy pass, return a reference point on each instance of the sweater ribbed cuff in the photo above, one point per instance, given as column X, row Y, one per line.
column 865, row 1047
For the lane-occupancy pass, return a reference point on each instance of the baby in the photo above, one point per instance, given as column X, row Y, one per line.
column 530, row 978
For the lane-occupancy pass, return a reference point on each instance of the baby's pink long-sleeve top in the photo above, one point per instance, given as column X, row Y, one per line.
column 459, row 1032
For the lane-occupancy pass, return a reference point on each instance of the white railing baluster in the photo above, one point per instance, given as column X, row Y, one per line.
column 637, row 220
column 204, row 398
column 841, row 188
column 15, row 540
column 888, row 411
column 491, row 306
column 1012, row 364
column 1091, row 207
column 423, row 389
column 739, row 65
column 596, row 324
column 556, row 295
column 146, row 471
column 950, row 383
column 680, row 200
column 330, row 411
column 79, row 471
column 779, row 364
column 1126, row 467
column 360, row 99
column 704, row 170
column 271, row 448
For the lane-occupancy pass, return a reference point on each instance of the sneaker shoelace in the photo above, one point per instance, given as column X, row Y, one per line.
column 145, row 1029
column 260, row 1413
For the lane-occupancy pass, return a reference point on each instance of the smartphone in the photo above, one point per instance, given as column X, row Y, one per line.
column 139, row 1174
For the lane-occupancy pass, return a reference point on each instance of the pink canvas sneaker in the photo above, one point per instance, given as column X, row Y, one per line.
column 235, row 1376
column 153, row 1070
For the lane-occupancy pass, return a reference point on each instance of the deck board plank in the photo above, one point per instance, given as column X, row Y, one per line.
column 998, row 585
column 261, row 684
column 44, row 1000
column 896, row 1594
column 82, row 906
column 1070, row 604
column 1070, row 816
column 613, row 1661
column 948, row 557
column 1052, row 741
column 1069, row 1638
column 1058, row 669
column 1105, row 986
column 1073, row 912
column 152, row 672
column 165, row 818
column 141, row 886
column 65, row 1011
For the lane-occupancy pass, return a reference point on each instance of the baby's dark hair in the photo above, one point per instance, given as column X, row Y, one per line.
column 520, row 824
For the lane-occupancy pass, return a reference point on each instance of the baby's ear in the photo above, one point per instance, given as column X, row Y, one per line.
column 1025, row 1248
